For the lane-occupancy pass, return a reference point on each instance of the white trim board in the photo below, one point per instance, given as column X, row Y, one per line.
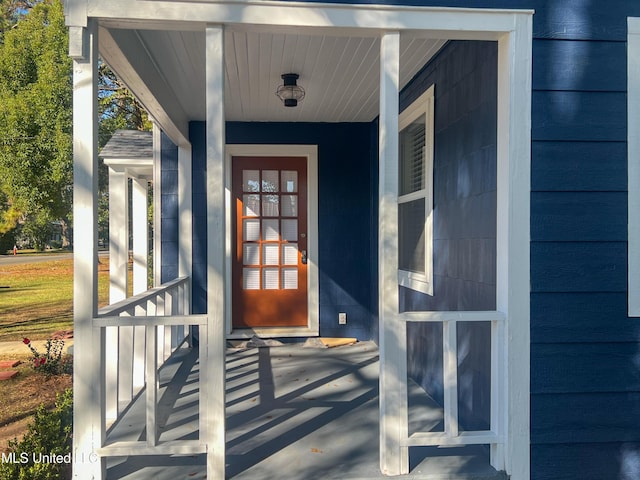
column 310, row 152
column 633, row 164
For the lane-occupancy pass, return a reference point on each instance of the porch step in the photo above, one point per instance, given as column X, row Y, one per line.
column 7, row 374
column 9, row 363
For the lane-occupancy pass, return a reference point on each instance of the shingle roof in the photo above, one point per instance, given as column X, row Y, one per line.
column 129, row 144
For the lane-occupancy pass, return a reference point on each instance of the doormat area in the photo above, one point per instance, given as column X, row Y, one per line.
column 324, row 342
column 315, row 342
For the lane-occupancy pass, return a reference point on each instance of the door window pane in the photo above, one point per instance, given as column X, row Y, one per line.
column 270, row 205
column 251, row 254
column 251, row 278
column 271, row 230
column 290, row 230
column 289, row 205
column 251, row 230
column 251, row 205
column 290, row 254
column 270, row 280
column 270, row 180
column 270, row 254
column 250, row 180
column 289, row 181
column 290, row 278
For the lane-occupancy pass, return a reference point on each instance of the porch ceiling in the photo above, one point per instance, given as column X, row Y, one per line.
column 166, row 70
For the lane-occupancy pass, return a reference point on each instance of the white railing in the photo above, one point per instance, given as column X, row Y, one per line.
column 140, row 334
column 452, row 435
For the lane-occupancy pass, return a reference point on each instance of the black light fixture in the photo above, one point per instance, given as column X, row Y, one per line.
column 290, row 92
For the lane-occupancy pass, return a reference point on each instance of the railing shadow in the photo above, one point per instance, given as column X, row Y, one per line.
column 283, row 413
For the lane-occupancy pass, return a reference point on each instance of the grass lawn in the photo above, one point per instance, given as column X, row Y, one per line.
column 39, row 300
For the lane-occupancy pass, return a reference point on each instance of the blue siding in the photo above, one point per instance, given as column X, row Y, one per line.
column 346, row 176
column 465, row 78
column 585, row 405
column 169, row 210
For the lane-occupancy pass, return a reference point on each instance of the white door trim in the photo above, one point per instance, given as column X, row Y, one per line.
column 310, row 152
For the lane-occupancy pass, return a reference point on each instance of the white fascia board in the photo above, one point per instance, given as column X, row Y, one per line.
column 633, row 164
column 450, row 22
column 151, row 89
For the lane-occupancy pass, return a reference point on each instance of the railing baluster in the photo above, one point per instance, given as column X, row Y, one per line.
column 152, row 385
column 168, row 331
column 162, row 310
column 125, row 363
column 111, row 373
column 139, row 340
column 450, row 348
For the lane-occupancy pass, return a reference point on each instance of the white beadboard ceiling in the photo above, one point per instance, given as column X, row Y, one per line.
column 340, row 74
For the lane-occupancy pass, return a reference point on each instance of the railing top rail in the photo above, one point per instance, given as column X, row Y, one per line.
column 139, row 299
column 151, row 321
column 459, row 316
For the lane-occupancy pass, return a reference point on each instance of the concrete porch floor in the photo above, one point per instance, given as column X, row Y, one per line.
column 292, row 413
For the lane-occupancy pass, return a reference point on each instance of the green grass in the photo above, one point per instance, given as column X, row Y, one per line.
column 39, row 300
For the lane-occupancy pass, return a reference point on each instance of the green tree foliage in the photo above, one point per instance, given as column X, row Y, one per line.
column 118, row 108
column 35, row 119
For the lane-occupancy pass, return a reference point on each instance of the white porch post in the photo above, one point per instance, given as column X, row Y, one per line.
column 213, row 367
column 513, row 237
column 88, row 379
column 118, row 234
column 140, row 233
column 394, row 458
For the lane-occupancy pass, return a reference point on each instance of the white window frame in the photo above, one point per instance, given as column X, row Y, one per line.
column 633, row 164
column 423, row 106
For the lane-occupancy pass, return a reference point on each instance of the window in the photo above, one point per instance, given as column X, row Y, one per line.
column 415, row 197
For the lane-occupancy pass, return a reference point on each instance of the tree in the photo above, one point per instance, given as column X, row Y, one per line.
column 35, row 119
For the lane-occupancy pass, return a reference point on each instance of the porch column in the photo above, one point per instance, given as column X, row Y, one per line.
column 513, row 237
column 140, row 233
column 394, row 458
column 118, row 234
column 212, row 380
column 88, row 380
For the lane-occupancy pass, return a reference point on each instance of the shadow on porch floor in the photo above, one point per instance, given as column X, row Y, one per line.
column 292, row 413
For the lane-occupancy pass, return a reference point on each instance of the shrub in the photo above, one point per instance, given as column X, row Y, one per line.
column 51, row 362
column 48, row 434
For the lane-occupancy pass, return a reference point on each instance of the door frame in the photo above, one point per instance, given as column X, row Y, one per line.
column 310, row 152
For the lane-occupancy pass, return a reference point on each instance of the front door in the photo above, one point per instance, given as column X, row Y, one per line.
column 269, row 197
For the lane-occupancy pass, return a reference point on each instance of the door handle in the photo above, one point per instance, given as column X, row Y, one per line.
column 304, row 257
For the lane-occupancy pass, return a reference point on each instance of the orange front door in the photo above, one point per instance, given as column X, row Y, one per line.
column 270, row 242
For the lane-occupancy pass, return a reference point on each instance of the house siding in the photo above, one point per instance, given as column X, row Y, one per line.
column 169, row 210
column 464, row 210
column 346, row 175
column 585, row 401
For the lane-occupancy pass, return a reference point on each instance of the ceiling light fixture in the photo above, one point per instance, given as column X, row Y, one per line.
column 290, row 92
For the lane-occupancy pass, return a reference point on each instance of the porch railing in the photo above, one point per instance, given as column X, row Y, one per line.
column 452, row 434
column 140, row 334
